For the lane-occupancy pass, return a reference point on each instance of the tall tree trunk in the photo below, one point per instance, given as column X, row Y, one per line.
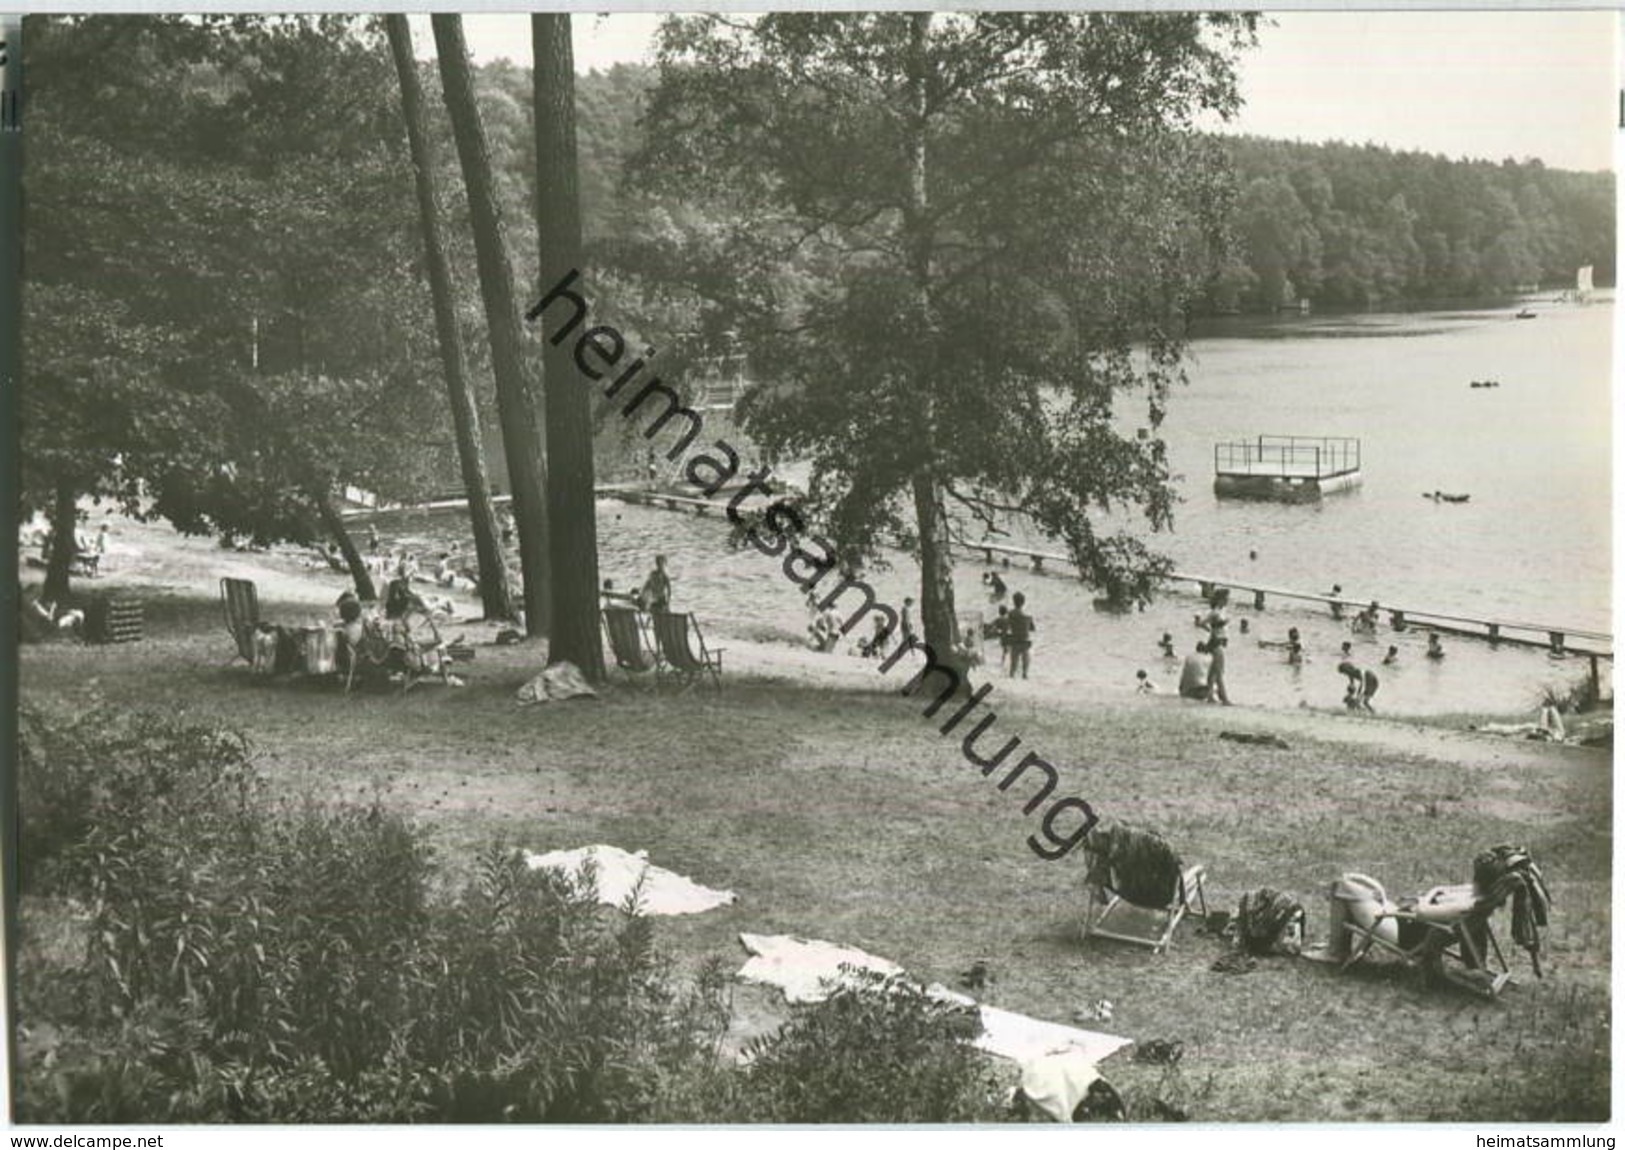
column 527, row 464
column 495, row 594
column 64, row 527
column 938, row 618
column 334, row 522
column 571, row 517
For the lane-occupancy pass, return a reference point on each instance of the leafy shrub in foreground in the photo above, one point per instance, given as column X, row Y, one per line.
column 109, row 769
column 247, row 961
column 877, row 1050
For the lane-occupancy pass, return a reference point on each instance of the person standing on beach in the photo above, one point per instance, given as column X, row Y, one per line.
column 1362, row 685
column 1215, row 671
column 1020, row 627
column 656, row 594
column 908, row 620
column 1337, row 607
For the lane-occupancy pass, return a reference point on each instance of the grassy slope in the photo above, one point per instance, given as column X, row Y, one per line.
column 838, row 813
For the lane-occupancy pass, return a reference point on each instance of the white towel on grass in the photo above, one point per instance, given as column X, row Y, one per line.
column 808, row 969
column 805, row 969
column 664, row 891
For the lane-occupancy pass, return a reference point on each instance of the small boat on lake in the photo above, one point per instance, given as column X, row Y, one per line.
column 1445, row 497
column 1525, row 314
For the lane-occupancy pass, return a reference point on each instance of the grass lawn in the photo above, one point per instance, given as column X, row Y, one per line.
column 836, row 812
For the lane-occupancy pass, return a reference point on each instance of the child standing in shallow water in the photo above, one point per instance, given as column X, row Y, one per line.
column 1019, row 627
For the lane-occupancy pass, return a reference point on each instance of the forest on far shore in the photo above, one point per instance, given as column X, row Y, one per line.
column 1338, row 224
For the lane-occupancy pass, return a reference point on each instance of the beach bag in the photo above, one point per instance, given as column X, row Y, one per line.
column 1270, row 922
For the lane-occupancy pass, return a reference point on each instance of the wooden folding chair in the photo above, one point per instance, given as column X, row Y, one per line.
column 627, row 641
column 1448, row 922
column 679, row 657
column 1159, row 922
column 241, row 603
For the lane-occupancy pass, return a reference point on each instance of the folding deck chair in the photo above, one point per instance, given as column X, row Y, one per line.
column 1107, row 887
column 1448, row 922
column 628, row 642
column 677, row 656
column 384, row 651
column 242, row 607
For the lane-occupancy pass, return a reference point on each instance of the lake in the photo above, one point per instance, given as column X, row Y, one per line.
column 1533, row 544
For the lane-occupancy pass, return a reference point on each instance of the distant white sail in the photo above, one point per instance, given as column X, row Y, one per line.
column 1583, row 279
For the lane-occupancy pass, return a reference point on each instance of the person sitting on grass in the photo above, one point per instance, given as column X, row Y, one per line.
column 43, row 619
column 880, row 640
column 399, row 598
column 1193, row 675
column 825, row 630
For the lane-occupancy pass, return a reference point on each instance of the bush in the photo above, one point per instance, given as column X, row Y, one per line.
column 251, row 961
column 877, row 1050
column 107, row 770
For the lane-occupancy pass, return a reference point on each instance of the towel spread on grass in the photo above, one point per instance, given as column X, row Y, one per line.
column 807, row 969
column 663, row 891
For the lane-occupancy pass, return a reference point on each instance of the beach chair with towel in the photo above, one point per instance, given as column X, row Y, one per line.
column 679, row 657
column 1135, row 875
column 241, row 602
column 627, row 641
column 1446, row 932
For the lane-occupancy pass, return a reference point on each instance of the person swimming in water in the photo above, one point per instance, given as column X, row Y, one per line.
column 1435, row 648
column 1166, row 644
column 1391, row 657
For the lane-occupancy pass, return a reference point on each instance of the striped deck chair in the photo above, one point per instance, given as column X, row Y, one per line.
column 677, row 656
column 1124, row 896
column 242, row 607
column 628, row 642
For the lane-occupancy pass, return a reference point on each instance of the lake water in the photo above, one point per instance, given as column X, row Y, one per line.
column 1532, row 545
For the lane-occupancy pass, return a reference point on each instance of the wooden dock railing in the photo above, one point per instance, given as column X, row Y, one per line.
column 1596, row 645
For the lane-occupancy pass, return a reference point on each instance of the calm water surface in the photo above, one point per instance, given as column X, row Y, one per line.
column 1532, row 545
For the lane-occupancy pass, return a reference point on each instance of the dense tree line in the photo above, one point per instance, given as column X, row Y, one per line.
column 1347, row 225
column 1338, row 224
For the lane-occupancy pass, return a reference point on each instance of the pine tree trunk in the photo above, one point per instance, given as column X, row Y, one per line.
column 938, row 618
column 334, row 523
column 495, row 594
column 571, row 516
column 64, row 528
column 527, row 465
